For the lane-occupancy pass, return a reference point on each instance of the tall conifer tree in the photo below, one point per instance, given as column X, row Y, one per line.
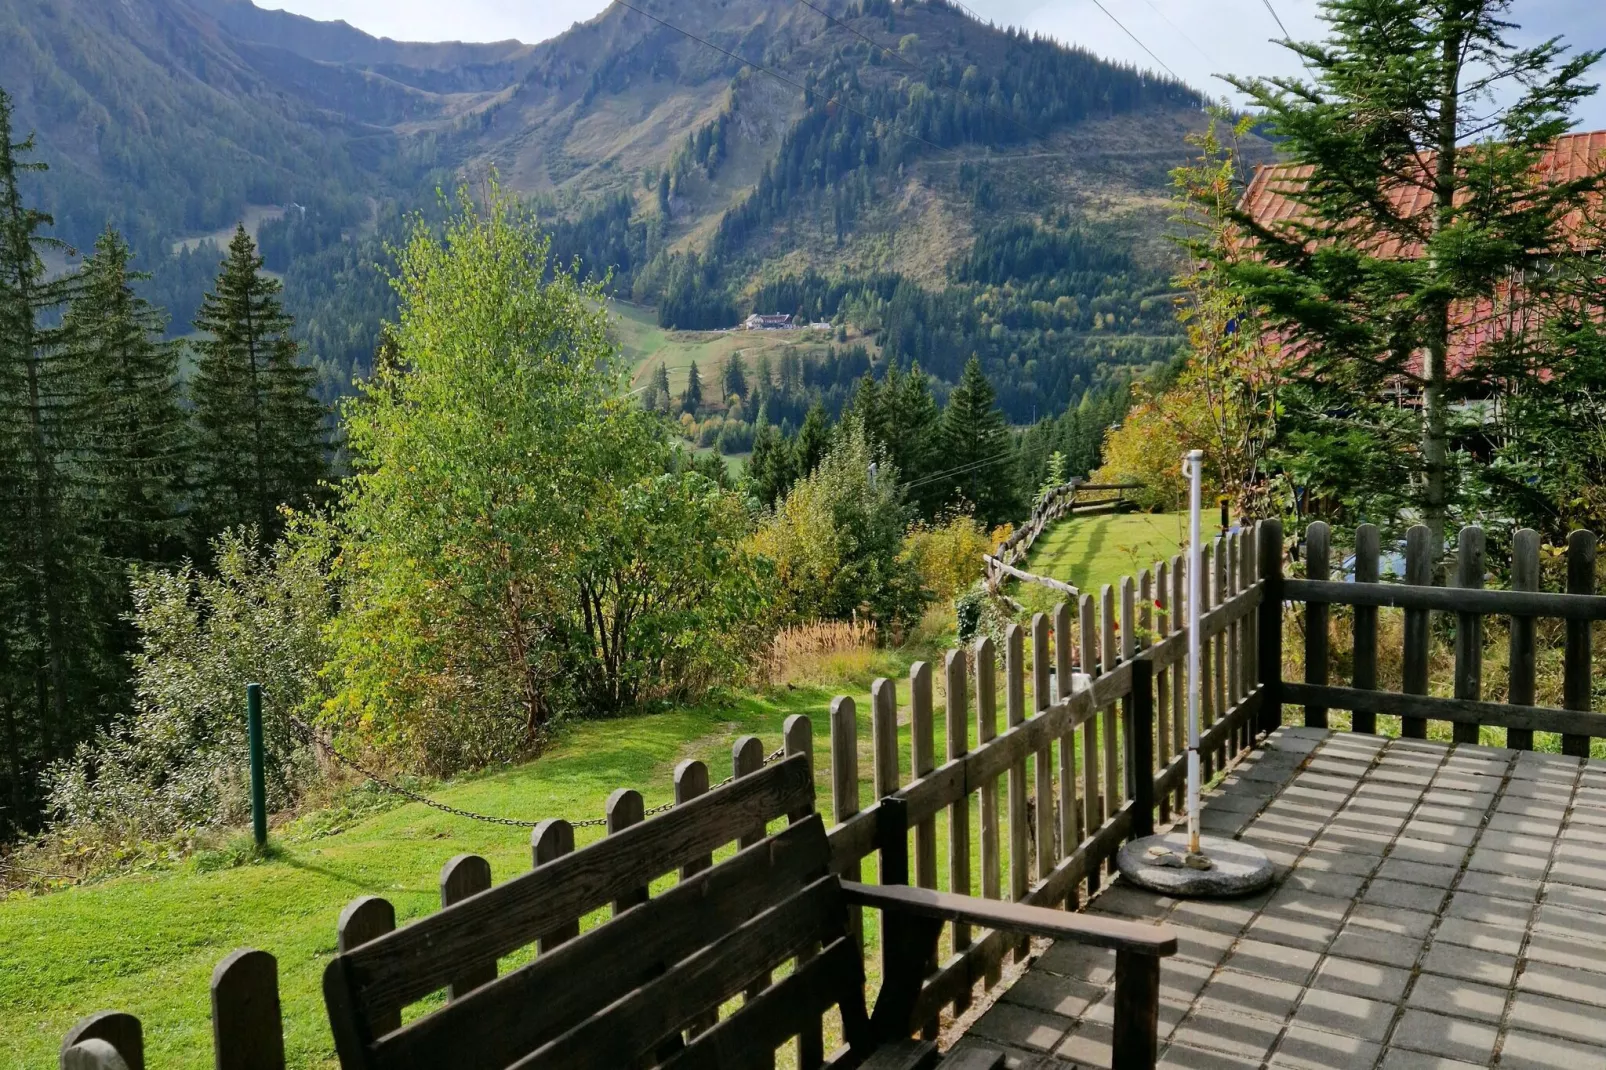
column 692, row 399
column 259, row 434
column 976, row 448
column 132, row 429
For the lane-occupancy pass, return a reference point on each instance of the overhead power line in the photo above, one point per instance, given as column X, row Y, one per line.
column 1180, row 33
column 1100, row 5
column 1278, row 18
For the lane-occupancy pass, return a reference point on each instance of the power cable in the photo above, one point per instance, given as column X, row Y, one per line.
column 906, row 61
column 1100, row 5
column 1179, row 32
column 1274, row 15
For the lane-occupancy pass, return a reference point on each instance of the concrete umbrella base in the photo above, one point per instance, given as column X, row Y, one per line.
column 1236, row 868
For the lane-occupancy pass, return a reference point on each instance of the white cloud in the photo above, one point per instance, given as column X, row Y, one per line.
column 1198, row 39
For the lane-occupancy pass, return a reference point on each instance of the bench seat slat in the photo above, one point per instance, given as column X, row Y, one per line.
column 512, row 1016
column 633, row 1026
column 412, row 962
column 768, row 1020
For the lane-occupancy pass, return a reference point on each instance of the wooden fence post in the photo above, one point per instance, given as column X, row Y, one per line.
column 462, row 877
column 1367, row 546
column 1207, row 684
column 1140, row 744
column 845, row 791
column 366, row 918
column 986, row 730
column 624, row 809
column 118, row 1029
column 1129, row 648
column 1469, row 629
column 1268, row 623
column 1414, row 676
column 1162, row 688
column 923, row 759
column 247, row 1022
column 798, row 738
column 1317, row 565
column 747, row 756
column 1137, row 1011
column 549, row 840
column 1576, row 684
column 1218, row 647
column 1524, row 654
column 1064, row 674
column 1043, row 760
column 958, row 725
column 691, row 782
column 1109, row 658
column 1014, row 715
column 1092, row 798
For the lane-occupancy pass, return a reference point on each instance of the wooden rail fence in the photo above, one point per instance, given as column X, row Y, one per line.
column 1057, row 503
column 1087, row 751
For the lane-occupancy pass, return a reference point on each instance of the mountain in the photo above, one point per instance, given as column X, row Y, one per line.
column 937, row 180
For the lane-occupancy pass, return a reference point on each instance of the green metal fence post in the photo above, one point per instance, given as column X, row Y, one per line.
column 259, row 786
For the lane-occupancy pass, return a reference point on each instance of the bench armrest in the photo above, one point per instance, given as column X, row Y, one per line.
column 1130, row 936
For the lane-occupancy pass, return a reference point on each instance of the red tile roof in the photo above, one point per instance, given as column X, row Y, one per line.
column 1272, row 199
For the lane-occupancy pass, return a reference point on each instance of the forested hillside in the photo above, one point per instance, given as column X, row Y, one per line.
column 946, row 187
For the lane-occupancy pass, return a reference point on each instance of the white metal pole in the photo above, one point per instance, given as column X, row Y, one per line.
column 1192, row 466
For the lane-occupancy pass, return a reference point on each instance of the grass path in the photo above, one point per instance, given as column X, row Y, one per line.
column 1088, row 552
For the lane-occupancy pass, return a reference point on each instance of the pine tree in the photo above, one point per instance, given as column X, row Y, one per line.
column 1421, row 129
column 913, row 420
column 735, row 377
column 259, row 429
column 813, row 441
column 976, row 449
column 770, row 470
column 50, row 665
column 692, row 398
column 132, row 427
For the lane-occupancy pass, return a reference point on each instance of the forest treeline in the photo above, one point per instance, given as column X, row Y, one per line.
column 121, row 451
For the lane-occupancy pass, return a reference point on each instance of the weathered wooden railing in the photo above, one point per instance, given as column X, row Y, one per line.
column 1057, row 503
column 1091, row 750
column 1466, row 710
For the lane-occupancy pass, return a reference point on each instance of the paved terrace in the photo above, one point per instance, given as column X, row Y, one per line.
column 1440, row 907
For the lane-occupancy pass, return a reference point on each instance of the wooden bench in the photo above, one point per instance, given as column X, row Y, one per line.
column 770, row 923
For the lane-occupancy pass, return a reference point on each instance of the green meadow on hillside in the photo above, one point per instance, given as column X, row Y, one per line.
column 1088, row 552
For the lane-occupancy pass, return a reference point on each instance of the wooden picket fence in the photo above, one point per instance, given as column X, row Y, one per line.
column 1090, row 751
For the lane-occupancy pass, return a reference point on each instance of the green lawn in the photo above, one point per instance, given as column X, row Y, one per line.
column 1088, row 552
column 645, row 344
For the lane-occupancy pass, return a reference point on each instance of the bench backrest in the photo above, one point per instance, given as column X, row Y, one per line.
column 641, row 983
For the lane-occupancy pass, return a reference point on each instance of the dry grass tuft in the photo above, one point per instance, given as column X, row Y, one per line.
column 820, row 652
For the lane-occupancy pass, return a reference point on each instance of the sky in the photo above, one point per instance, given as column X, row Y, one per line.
column 1195, row 39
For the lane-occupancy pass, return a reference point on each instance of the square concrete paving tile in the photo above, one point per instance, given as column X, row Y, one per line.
column 1183, row 1057
column 1527, row 826
column 1014, row 1058
column 1483, row 937
column 1202, row 945
column 1368, row 979
column 1242, row 1035
column 1412, row 923
column 1230, row 992
column 1566, row 896
column 1349, row 1015
column 1441, row 853
column 1342, row 885
column 1417, row 873
column 1307, row 906
column 1216, row 916
column 1088, row 1045
column 1404, row 896
column 1316, row 1049
column 1514, row 842
column 1548, row 1016
column 1500, row 885
column 1561, row 949
column 1309, row 934
column 1023, row 1027
column 1488, row 909
column 1405, row 1059
column 1325, row 860
column 1489, row 860
column 1468, row 964
column 1370, row 945
column 1565, row 982
column 1530, row 1051
column 1584, row 873
column 1457, row 998
column 1269, row 960
column 1454, row 1038
column 1044, row 991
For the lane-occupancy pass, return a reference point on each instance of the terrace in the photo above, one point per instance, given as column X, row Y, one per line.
column 1437, row 907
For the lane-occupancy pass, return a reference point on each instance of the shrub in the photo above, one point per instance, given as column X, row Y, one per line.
column 947, row 554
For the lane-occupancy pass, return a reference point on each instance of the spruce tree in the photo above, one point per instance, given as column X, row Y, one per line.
column 813, row 441
column 770, row 471
column 692, row 398
column 1422, row 131
column 259, row 434
column 735, row 377
column 132, row 427
column 51, row 666
column 976, row 450
column 660, row 381
column 913, row 420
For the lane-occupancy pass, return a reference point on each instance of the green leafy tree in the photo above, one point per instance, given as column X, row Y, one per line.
column 1421, row 129
column 836, row 541
column 977, row 451
column 691, row 399
column 132, row 430
column 259, row 429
